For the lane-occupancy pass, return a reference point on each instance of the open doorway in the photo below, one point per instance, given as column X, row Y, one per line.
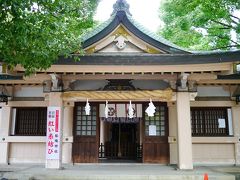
column 120, row 139
column 122, row 143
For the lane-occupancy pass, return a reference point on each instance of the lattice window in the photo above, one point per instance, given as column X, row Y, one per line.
column 86, row 125
column 31, row 121
column 207, row 121
column 159, row 120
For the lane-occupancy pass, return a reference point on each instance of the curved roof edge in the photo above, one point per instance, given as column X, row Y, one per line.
column 151, row 59
column 121, row 17
column 214, row 52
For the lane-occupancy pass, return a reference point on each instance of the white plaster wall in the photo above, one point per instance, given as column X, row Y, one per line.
column 129, row 48
column 27, row 152
column 213, row 153
column 28, row 91
column 204, row 91
column 206, row 150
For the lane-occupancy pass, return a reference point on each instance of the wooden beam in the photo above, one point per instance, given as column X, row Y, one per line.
column 218, row 82
column 120, row 76
column 136, row 68
column 12, row 82
column 26, row 104
column 203, row 76
column 37, row 77
column 164, row 95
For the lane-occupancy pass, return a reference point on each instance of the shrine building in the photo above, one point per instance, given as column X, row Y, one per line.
column 133, row 97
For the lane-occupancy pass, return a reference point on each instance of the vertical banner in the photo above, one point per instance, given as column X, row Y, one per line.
column 53, row 133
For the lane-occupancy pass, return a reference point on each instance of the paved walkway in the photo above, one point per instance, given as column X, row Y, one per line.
column 117, row 171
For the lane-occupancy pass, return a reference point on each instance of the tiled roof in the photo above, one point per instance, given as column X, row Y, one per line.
column 92, row 32
column 152, row 34
column 121, row 15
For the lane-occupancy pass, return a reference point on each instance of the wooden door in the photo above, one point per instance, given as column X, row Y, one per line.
column 86, row 134
column 156, row 147
column 123, row 143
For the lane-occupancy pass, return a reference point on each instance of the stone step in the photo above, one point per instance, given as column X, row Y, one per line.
column 118, row 172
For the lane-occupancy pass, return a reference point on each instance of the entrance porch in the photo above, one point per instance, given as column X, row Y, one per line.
column 140, row 139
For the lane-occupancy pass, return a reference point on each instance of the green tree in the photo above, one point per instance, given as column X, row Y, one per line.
column 201, row 24
column 33, row 33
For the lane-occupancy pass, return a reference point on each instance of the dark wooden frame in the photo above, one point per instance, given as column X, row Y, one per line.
column 151, row 140
column 40, row 130
column 225, row 131
column 98, row 125
column 158, row 139
column 86, row 125
column 77, row 138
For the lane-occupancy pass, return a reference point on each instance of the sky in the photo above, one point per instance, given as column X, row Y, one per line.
column 144, row 12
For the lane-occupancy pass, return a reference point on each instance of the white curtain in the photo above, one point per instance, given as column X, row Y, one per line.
column 120, row 110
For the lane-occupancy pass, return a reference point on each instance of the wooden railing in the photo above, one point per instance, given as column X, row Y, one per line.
column 110, row 150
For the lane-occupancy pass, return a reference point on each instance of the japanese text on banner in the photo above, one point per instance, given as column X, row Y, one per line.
column 53, row 134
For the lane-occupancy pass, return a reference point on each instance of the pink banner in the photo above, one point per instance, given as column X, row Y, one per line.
column 56, row 120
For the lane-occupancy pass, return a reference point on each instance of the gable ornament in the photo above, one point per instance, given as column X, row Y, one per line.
column 121, row 42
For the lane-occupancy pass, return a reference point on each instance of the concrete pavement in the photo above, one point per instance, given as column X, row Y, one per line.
column 115, row 171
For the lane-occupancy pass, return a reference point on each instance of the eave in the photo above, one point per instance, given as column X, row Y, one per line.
column 162, row 59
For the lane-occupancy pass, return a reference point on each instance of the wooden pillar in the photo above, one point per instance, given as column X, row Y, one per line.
column 236, row 130
column 67, row 132
column 141, row 132
column 172, row 139
column 5, row 115
column 184, row 139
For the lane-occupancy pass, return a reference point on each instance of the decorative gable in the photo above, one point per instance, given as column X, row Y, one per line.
column 122, row 34
column 121, row 40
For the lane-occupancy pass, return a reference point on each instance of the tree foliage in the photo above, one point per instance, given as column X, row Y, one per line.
column 201, row 24
column 33, row 33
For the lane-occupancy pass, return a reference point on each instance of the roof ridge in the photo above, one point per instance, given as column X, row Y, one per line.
column 121, row 5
